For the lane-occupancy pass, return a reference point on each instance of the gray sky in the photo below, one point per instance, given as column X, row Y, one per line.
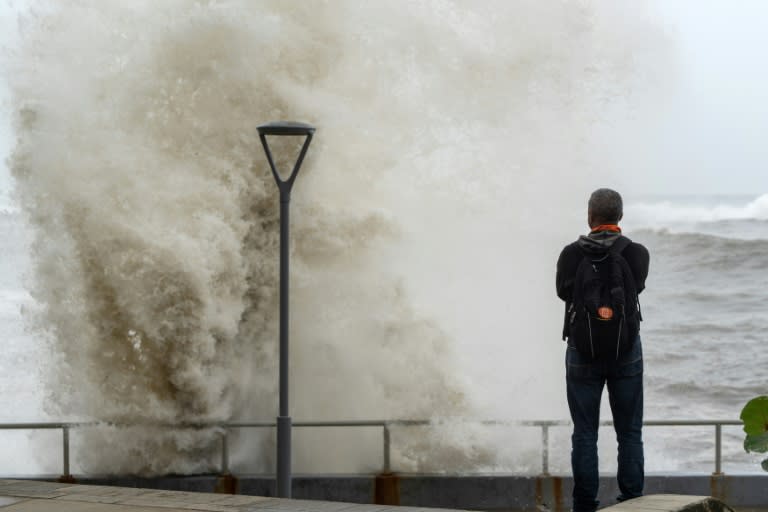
column 704, row 133
column 714, row 122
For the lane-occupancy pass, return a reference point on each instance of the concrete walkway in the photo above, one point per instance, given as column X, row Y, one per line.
column 33, row 496
column 671, row 502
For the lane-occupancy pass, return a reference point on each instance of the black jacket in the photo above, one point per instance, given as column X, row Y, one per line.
column 595, row 243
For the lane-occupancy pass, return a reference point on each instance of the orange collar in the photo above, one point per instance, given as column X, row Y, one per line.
column 606, row 227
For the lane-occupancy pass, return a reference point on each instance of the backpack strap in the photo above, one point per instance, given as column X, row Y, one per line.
column 583, row 267
column 616, row 251
column 619, row 245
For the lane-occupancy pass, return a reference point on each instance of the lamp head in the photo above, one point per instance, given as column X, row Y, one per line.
column 286, row 128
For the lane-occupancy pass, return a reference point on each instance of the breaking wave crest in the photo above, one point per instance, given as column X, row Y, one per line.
column 156, row 219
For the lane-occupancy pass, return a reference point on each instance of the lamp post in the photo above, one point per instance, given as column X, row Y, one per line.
column 284, row 186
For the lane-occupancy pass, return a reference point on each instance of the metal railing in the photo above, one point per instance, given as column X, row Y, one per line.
column 718, row 424
column 385, row 425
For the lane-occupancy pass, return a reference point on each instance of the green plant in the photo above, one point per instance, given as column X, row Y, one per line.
column 755, row 418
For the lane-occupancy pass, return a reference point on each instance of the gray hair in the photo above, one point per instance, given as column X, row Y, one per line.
column 606, row 206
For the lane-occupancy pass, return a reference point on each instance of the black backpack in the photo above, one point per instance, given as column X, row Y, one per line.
column 603, row 317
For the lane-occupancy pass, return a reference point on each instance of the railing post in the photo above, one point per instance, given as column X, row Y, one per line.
column 718, row 448
column 65, row 432
column 387, row 442
column 549, row 489
column 225, row 453
column 386, row 487
column 66, row 477
column 226, row 482
column 544, row 449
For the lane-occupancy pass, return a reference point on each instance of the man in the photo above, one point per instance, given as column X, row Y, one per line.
column 620, row 367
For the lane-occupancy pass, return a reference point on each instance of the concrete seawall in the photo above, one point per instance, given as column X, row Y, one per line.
column 478, row 492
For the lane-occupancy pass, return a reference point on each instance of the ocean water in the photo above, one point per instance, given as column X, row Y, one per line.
column 702, row 336
column 140, row 259
column 705, row 315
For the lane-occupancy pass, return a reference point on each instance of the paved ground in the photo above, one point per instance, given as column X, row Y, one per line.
column 671, row 502
column 31, row 496
column 34, row 496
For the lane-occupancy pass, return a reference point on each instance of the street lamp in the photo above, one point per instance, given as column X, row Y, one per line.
column 284, row 186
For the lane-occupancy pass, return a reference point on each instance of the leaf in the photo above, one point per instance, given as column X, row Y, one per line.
column 757, row 444
column 755, row 416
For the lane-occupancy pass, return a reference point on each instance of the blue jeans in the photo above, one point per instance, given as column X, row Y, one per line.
column 585, row 380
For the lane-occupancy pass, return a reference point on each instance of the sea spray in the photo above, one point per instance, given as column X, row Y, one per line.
column 451, row 138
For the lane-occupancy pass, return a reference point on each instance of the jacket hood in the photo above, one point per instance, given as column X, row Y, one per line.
column 599, row 242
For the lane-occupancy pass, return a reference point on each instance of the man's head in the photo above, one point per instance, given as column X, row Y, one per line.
column 605, row 207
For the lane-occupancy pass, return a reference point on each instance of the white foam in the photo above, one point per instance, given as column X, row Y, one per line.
column 668, row 212
column 741, row 218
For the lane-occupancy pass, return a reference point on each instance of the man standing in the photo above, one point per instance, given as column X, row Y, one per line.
column 599, row 277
